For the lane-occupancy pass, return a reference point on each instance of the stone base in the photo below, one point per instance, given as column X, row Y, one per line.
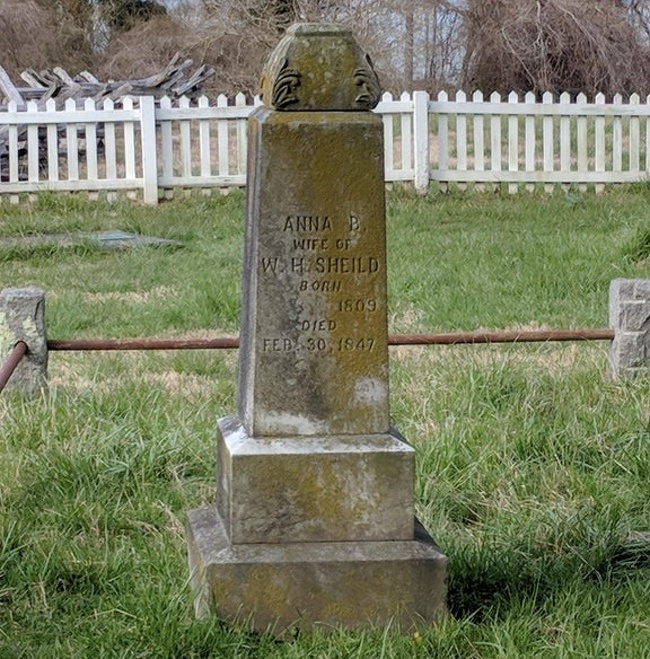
column 346, row 488
column 347, row 585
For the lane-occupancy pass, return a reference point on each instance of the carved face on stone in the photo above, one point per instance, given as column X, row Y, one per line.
column 319, row 67
column 284, row 89
column 367, row 84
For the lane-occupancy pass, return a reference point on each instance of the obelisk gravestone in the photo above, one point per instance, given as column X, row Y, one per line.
column 314, row 521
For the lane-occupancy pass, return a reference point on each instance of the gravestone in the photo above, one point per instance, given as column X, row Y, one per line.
column 314, row 518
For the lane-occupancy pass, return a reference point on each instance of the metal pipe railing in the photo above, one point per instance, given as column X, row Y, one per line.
column 7, row 369
column 454, row 338
column 501, row 336
column 229, row 342
column 143, row 344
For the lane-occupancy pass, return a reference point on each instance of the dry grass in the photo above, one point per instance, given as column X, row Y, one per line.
column 132, row 297
column 32, row 37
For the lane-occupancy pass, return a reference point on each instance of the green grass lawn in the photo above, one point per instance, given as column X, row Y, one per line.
column 533, row 467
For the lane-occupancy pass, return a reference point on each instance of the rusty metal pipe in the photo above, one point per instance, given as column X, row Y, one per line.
column 10, row 365
column 455, row 338
column 144, row 344
column 512, row 336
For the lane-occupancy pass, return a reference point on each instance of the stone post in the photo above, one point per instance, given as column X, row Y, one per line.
column 314, row 520
column 22, row 318
column 629, row 317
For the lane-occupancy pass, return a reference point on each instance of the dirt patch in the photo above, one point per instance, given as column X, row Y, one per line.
column 189, row 385
column 407, row 320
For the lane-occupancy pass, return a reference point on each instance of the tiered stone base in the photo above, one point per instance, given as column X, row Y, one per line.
column 305, row 584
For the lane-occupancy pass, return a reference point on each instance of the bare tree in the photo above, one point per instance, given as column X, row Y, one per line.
column 554, row 45
column 33, row 34
column 639, row 12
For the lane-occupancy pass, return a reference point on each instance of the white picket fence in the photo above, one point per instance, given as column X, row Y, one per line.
column 136, row 145
column 565, row 142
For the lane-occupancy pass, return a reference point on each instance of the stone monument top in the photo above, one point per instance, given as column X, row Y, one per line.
column 319, row 67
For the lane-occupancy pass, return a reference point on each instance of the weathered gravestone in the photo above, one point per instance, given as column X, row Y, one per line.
column 314, row 521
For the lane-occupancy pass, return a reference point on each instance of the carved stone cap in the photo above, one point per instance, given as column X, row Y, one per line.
column 319, row 66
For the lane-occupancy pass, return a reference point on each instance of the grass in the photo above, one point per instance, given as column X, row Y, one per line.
column 533, row 467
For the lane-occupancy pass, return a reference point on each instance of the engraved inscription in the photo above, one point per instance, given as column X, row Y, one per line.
column 357, row 305
column 272, row 265
column 298, row 265
column 277, row 345
column 346, row 265
column 314, row 244
column 321, row 265
column 323, row 285
column 320, row 325
column 329, row 262
column 318, row 344
column 307, row 223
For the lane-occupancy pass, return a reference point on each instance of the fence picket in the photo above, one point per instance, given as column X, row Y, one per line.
column 421, row 155
column 186, row 141
column 166, row 146
column 204, row 141
column 389, row 162
column 90, row 135
column 222, row 133
column 52, row 144
column 443, row 141
column 635, row 136
column 129, row 145
column 13, row 145
column 149, row 148
column 599, row 140
column 617, row 138
column 565, row 137
column 406, row 138
column 582, row 141
column 461, row 138
column 478, row 139
column 495, row 138
column 479, row 142
column 530, row 140
column 72, row 142
column 513, row 141
column 547, row 139
column 110, row 143
column 32, row 146
column 240, row 102
column 12, row 131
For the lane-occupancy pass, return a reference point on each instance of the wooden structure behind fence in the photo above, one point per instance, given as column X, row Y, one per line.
column 138, row 144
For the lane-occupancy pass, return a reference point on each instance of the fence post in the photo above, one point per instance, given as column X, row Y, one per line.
column 22, row 318
column 149, row 147
column 629, row 317
column 421, row 142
